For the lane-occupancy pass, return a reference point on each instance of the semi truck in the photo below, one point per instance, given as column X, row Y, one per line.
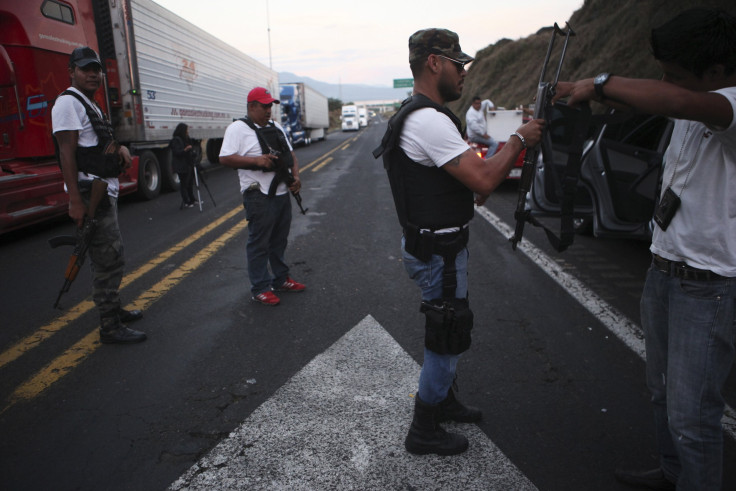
column 363, row 116
column 305, row 114
column 349, row 118
column 159, row 70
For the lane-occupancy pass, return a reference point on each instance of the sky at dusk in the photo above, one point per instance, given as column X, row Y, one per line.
column 360, row 42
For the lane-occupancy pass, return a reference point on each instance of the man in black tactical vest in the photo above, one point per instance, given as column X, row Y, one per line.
column 88, row 151
column 433, row 176
column 267, row 169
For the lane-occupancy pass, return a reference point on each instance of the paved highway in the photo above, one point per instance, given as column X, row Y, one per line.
column 317, row 393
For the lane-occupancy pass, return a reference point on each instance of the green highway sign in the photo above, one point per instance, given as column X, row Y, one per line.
column 403, row 82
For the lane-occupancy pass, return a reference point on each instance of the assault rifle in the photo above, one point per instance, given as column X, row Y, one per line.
column 282, row 170
column 83, row 238
column 542, row 109
column 283, row 174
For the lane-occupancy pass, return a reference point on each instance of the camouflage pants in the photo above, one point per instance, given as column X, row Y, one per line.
column 107, row 261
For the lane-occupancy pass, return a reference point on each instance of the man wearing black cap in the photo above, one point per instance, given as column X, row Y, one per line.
column 253, row 145
column 88, row 151
column 434, row 175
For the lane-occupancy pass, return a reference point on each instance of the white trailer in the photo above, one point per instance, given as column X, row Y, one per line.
column 171, row 71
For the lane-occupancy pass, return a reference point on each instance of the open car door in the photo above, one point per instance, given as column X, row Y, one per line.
column 620, row 173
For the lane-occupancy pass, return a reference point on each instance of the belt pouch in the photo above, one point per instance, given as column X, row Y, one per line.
column 447, row 326
column 418, row 244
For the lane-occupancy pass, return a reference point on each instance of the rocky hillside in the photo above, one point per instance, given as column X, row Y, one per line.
column 611, row 36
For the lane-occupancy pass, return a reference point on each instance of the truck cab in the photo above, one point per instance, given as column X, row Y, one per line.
column 291, row 111
column 350, row 121
column 35, row 42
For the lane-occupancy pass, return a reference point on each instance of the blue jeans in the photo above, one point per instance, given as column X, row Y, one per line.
column 269, row 221
column 489, row 142
column 689, row 332
column 438, row 371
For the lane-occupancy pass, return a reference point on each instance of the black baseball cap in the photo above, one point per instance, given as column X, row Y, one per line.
column 84, row 56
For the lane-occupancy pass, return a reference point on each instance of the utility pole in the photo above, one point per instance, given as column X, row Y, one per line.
column 268, row 28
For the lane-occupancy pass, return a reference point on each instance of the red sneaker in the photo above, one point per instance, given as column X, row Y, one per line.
column 290, row 286
column 267, row 298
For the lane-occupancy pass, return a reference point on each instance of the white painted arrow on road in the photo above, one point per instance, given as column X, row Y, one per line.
column 340, row 423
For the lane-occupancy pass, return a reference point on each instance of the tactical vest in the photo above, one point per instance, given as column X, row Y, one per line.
column 273, row 141
column 425, row 197
column 103, row 159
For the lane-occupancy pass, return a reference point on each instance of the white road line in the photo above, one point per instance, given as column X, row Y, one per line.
column 616, row 322
column 340, row 423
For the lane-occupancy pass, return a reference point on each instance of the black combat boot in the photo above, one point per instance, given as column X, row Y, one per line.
column 427, row 436
column 453, row 410
column 112, row 331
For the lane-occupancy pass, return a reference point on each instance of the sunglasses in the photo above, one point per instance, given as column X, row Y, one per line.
column 459, row 65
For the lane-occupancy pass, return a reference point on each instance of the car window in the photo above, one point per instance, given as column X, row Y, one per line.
column 642, row 130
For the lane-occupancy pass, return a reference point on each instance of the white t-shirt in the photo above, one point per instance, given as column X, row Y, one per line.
column 703, row 230
column 241, row 140
column 68, row 114
column 475, row 121
column 431, row 138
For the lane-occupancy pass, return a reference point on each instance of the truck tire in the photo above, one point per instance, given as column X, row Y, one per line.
column 149, row 175
column 170, row 178
column 213, row 150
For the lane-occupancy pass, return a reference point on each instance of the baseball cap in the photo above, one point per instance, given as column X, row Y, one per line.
column 262, row 95
column 84, row 56
column 436, row 41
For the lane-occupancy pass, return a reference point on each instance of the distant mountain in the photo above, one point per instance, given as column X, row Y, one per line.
column 610, row 37
column 347, row 92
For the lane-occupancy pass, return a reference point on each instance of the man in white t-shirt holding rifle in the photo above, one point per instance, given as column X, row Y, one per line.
column 255, row 145
column 88, row 152
column 434, row 176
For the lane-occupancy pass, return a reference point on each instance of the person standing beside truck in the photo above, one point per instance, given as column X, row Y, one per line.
column 433, row 176
column 688, row 306
column 265, row 198
column 475, row 121
column 182, row 162
column 84, row 136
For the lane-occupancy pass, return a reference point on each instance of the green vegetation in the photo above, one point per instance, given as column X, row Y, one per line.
column 611, row 36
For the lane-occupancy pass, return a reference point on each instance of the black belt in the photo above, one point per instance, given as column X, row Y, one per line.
column 683, row 271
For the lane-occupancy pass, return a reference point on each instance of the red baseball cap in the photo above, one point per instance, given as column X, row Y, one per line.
column 261, row 95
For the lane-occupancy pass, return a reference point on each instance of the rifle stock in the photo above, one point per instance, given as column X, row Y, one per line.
column 83, row 238
column 542, row 108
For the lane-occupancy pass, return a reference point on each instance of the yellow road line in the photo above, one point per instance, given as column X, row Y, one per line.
column 43, row 333
column 339, row 147
column 324, row 162
column 79, row 352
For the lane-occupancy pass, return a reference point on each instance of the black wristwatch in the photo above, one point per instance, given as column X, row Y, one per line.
column 599, row 81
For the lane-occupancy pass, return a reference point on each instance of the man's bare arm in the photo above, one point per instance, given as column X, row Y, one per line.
column 483, row 176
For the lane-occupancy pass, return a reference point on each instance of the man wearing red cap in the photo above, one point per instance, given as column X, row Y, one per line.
column 254, row 145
